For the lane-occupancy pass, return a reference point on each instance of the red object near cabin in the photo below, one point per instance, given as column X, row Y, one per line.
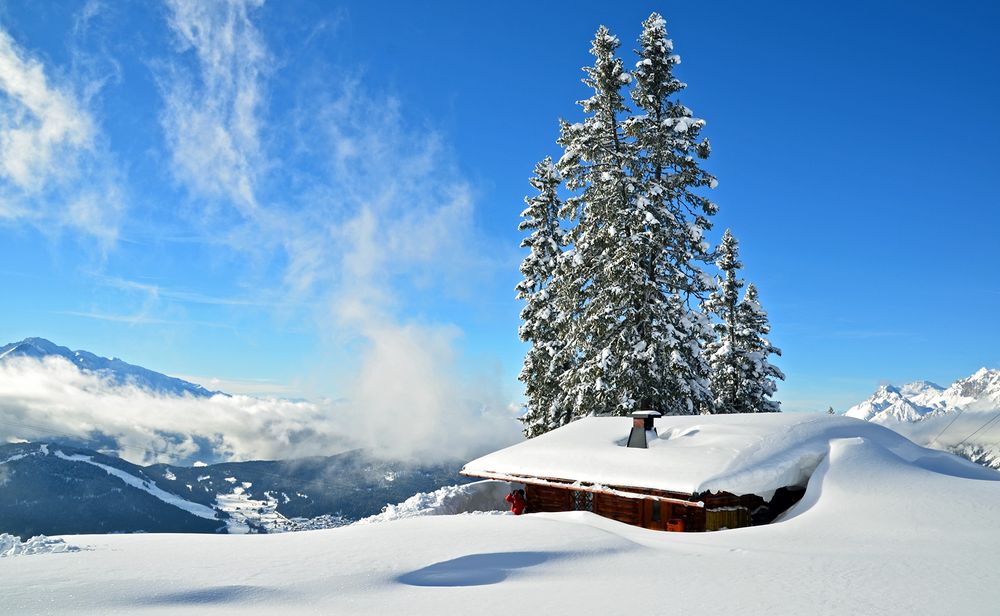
column 516, row 500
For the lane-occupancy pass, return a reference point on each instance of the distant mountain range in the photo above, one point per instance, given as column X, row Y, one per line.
column 963, row 417
column 53, row 489
column 116, row 370
column 65, row 485
column 919, row 399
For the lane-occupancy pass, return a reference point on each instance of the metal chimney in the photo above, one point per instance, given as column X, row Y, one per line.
column 642, row 428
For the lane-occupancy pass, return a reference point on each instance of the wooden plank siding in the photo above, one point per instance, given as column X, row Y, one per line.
column 727, row 517
column 627, row 510
column 546, row 498
column 721, row 510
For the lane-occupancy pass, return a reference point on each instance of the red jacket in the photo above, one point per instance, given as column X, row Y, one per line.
column 516, row 502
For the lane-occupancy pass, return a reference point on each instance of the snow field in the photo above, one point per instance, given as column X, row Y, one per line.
column 875, row 534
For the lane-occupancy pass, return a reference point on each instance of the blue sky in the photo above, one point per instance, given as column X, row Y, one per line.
column 271, row 194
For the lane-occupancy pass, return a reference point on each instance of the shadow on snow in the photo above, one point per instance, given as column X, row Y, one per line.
column 475, row 569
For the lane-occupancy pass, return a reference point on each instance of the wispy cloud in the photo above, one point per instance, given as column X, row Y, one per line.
column 374, row 214
column 139, row 319
column 249, row 387
column 158, row 292
column 53, row 168
column 40, row 123
column 211, row 115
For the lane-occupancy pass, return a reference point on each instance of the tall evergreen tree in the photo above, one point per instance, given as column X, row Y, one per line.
column 541, row 316
column 627, row 320
column 743, row 379
column 724, row 353
column 604, row 272
column 759, row 385
column 675, row 216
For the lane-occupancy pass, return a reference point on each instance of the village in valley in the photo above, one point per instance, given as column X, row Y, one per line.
column 661, row 451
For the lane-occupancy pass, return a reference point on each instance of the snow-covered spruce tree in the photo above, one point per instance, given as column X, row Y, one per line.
column 607, row 283
column 675, row 217
column 724, row 353
column 743, row 379
column 634, row 273
column 542, row 319
column 759, row 385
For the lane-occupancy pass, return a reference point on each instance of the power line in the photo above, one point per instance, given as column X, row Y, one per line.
column 960, row 411
column 47, row 430
column 982, row 427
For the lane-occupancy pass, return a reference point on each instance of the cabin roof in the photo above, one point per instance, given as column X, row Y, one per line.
column 740, row 454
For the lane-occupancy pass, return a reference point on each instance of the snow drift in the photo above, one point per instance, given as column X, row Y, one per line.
column 742, row 454
column 476, row 497
column 11, row 545
column 861, row 541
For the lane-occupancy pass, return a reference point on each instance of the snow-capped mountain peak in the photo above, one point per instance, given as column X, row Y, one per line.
column 962, row 418
column 921, row 393
column 919, row 399
column 981, row 391
column 918, row 388
column 888, row 404
column 115, row 369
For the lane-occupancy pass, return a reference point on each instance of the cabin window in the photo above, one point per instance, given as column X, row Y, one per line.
column 583, row 501
column 656, row 511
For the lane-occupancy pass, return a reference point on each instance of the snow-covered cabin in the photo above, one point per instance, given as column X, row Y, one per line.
column 696, row 473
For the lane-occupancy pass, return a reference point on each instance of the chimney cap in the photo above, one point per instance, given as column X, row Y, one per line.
column 646, row 414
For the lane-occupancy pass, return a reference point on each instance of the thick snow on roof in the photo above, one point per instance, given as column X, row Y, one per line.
column 742, row 454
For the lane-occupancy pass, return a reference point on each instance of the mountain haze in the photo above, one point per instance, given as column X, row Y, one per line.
column 54, row 489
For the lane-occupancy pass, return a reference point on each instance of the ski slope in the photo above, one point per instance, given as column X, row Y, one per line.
column 145, row 485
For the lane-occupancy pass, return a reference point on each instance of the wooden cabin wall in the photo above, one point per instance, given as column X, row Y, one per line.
column 546, row 498
column 692, row 517
column 627, row 510
column 727, row 517
column 721, row 510
column 725, row 510
column 638, row 512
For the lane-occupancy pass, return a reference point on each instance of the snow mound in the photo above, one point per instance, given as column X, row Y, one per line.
column 754, row 453
column 479, row 496
column 11, row 545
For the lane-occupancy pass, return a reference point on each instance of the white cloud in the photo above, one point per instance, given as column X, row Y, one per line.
column 249, row 387
column 38, row 122
column 51, row 168
column 376, row 215
column 211, row 119
column 53, row 398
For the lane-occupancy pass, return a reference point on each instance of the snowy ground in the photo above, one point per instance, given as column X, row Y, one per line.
column 479, row 496
column 11, row 545
column 874, row 535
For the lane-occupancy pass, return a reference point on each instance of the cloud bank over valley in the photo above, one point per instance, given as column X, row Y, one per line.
column 388, row 414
